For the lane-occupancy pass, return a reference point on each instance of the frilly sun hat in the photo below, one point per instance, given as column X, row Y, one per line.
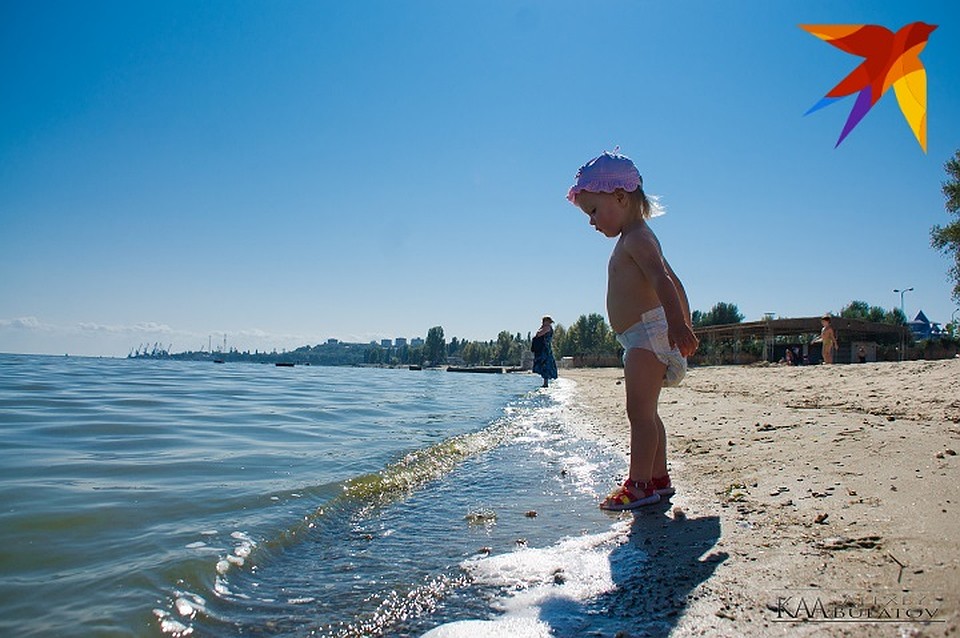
column 605, row 174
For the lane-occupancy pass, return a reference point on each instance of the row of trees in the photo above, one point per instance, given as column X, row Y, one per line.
column 722, row 313
column 507, row 349
column 588, row 335
column 863, row 310
column 727, row 313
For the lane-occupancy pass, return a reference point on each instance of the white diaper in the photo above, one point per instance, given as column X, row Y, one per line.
column 650, row 333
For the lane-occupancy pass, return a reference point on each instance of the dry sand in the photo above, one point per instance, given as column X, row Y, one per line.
column 825, row 492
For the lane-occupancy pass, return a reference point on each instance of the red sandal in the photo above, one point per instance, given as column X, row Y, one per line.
column 624, row 499
column 662, row 485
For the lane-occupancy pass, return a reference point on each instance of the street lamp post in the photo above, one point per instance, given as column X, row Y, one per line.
column 902, row 292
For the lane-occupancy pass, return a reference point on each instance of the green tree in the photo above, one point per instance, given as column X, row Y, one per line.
column 559, row 340
column 504, row 347
column 855, row 310
column 374, row 355
column 412, row 354
column 435, row 347
column 947, row 238
column 722, row 313
column 895, row 317
column 453, row 348
column 471, row 353
column 863, row 310
column 590, row 334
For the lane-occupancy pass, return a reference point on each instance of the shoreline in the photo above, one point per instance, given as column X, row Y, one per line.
column 834, row 486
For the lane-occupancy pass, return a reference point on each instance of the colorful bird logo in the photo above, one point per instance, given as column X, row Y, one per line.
column 891, row 59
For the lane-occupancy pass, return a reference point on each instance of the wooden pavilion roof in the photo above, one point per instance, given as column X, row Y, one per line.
column 846, row 329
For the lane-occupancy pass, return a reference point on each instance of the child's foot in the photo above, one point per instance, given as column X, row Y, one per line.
column 630, row 495
column 662, row 486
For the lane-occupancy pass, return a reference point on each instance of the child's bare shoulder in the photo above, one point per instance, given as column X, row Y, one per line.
column 641, row 241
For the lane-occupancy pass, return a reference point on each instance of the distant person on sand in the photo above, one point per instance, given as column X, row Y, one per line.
column 543, row 362
column 788, row 356
column 648, row 309
column 828, row 338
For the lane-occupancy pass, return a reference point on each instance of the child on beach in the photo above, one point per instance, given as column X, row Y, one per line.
column 647, row 308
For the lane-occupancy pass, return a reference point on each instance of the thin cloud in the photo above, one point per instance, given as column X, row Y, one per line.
column 26, row 323
column 148, row 327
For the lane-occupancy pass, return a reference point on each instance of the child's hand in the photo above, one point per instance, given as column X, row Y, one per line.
column 683, row 339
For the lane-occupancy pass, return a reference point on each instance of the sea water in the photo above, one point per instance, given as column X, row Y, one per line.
column 161, row 498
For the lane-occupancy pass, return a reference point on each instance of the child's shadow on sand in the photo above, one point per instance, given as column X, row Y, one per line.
column 664, row 559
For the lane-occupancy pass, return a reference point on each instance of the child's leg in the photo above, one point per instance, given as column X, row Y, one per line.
column 643, row 377
column 660, row 460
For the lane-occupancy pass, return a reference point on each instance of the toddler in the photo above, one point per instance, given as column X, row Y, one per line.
column 647, row 308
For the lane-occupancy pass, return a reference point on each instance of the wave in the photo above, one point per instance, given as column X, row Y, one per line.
column 359, row 497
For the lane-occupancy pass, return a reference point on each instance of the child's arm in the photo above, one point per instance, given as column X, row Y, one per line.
column 681, row 292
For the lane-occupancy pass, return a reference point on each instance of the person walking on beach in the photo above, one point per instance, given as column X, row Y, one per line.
column 543, row 362
column 648, row 309
column 828, row 338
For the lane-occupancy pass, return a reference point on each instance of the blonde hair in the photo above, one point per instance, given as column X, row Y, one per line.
column 649, row 204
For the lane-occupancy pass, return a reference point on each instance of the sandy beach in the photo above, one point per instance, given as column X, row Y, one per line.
column 811, row 501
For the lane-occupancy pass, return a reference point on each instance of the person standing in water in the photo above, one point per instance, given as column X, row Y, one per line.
column 543, row 362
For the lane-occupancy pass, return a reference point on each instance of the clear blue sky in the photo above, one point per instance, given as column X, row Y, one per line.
column 287, row 172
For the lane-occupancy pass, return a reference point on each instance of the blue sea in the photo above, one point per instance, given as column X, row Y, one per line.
column 162, row 498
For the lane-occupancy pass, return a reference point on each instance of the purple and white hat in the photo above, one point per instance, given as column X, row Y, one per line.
column 605, row 174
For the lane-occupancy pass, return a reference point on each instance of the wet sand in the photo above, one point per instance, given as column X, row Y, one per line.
column 837, row 490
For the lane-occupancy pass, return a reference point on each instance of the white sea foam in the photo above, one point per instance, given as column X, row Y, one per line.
column 569, row 573
column 512, row 627
column 170, row 625
column 184, row 608
column 240, row 553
